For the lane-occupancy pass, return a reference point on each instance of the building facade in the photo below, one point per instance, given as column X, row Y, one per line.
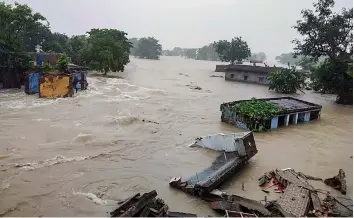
column 247, row 73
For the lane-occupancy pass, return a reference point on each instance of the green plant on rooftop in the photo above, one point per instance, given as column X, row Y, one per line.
column 256, row 113
column 63, row 62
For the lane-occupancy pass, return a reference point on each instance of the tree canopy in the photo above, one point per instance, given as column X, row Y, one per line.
column 20, row 30
column 258, row 57
column 207, row 52
column 148, row 48
column 287, row 81
column 330, row 34
column 106, row 50
column 236, row 50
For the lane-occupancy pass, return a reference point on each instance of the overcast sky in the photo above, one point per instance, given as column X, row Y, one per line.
column 264, row 24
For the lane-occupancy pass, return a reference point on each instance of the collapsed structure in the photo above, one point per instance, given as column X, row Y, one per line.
column 240, row 148
column 56, row 84
column 298, row 197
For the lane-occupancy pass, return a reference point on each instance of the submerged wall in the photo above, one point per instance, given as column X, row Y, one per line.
column 32, row 82
column 56, row 86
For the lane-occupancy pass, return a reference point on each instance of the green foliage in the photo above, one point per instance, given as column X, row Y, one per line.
column 257, row 57
column 134, row 42
column 190, row 53
column 77, row 44
column 148, row 48
column 47, row 68
column 207, row 52
column 286, row 81
column 63, row 62
column 257, row 114
column 236, row 50
column 288, row 59
column 106, row 50
column 20, row 27
column 330, row 34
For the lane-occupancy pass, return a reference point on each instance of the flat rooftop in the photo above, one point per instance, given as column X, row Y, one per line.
column 288, row 104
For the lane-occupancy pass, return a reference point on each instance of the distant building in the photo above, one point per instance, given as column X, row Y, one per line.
column 248, row 73
column 48, row 58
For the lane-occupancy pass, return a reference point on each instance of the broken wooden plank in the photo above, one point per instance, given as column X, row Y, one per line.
column 338, row 182
column 179, row 214
column 140, row 204
column 125, row 205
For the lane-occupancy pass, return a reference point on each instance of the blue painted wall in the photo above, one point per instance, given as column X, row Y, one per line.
column 78, row 76
column 33, row 83
column 274, row 123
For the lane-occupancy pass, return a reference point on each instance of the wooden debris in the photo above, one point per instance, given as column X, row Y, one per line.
column 179, row 214
column 338, row 182
column 140, row 204
column 146, row 205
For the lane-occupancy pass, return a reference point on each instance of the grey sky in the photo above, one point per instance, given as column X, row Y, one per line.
column 264, row 24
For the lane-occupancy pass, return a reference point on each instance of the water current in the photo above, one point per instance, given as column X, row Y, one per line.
column 79, row 156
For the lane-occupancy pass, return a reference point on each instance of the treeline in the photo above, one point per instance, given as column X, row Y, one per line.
column 147, row 47
column 208, row 52
column 22, row 30
column 325, row 52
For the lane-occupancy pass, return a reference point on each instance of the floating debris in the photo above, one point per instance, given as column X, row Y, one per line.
column 338, row 182
column 216, row 76
column 146, row 205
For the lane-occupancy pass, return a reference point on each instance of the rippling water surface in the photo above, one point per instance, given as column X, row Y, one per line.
column 79, row 156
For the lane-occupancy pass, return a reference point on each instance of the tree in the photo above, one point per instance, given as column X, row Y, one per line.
column 330, row 34
column 148, row 48
column 286, row 81
column 134, row 42
column 236, row 50
column 77, row 44
column 190, row 53
column 207, row 52
column 20, row 30
column 63, row 62
column 258, row 57
column 56, row 42
column 106, row 50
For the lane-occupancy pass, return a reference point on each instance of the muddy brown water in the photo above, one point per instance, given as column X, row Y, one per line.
column 79, row 156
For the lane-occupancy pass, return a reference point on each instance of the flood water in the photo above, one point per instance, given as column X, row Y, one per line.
column 79, row 156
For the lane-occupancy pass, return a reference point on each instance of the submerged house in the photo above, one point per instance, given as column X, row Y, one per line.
column 290, row 111
column 248, row 73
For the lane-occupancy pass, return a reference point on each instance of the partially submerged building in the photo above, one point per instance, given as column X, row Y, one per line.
column 291, row 111
column 248, row 73
column 55, row 84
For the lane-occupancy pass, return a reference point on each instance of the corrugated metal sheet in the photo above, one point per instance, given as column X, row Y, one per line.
column 224, row 142
column 81, row 77
column 55, row 86
column 32, row 82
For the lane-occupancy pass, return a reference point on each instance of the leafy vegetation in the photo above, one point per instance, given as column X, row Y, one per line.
column 236, row 50
column 63, row 62
column 106, row 50
column 286, row 81
column 257, row 57
column 257, row 114
column 330, row 34
column 148, row 48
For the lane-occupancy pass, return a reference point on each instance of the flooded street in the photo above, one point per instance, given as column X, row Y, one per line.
column 79, row 156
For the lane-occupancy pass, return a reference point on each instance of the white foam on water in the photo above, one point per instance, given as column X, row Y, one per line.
column 94, row 198
column 50, row 162
column 82, row 138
